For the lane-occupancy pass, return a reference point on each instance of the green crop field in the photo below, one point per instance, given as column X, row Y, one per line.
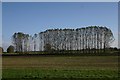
column 68, row 67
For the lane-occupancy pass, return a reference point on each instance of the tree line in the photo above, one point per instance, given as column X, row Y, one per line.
column 86, row 38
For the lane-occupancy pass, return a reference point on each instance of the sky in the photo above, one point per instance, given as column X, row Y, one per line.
column 60, row 0
column 0, row 24
column 34, row 17
column 119, row 25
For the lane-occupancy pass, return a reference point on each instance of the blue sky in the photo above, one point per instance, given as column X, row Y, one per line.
column 31, row 18
column 0, row 24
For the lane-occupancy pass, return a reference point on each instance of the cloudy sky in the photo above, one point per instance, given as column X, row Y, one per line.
column 35, row 17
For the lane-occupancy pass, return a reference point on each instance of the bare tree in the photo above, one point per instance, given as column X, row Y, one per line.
column 92, row 37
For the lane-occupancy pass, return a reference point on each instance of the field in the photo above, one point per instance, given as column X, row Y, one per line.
column 64, row 67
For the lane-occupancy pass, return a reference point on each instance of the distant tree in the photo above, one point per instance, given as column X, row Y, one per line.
column 115, row 48
column 47, row 47
column 1, row 50
column 34, row 41
column 10, row 49
column 83, row 39
column 26, row 41
column 18, row 41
